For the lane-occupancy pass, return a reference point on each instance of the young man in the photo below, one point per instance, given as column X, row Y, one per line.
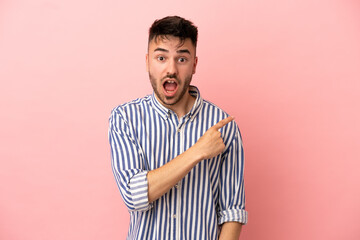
column 177, row 159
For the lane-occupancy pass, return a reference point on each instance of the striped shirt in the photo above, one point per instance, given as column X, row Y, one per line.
column 144, row 135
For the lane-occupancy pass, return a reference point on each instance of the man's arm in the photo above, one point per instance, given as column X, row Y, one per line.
column 138, row 187
column 230, row 231
column 231, row 211
column 162, row 179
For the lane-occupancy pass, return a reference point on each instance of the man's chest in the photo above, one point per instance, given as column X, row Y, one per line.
column 160, row 143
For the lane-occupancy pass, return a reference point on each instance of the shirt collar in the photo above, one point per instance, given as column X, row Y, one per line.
column 165, row 112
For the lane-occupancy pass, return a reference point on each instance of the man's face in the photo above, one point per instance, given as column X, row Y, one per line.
column 171, row 65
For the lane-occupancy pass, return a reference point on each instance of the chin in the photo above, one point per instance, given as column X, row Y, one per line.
column 169, row 102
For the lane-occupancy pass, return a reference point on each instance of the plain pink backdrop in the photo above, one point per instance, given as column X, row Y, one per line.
column 289, row 71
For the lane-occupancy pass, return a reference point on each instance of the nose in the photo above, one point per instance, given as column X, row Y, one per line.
column 172, row 68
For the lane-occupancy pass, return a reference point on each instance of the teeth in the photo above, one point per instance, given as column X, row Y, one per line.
column 171, row 81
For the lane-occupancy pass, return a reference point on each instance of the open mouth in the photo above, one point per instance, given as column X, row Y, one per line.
column 170, row 87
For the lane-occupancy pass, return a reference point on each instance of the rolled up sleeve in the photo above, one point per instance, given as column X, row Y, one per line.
column 232, row 193
column 128, row 164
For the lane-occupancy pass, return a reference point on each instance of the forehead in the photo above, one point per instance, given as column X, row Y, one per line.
column 171, row 43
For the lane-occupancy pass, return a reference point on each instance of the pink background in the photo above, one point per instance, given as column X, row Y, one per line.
column 288, row 70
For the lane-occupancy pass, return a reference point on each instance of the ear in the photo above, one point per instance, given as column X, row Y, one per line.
column 195, row 64
column 147, row 62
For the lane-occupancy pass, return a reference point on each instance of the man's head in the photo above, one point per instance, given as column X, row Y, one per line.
column 171, row 61
column 173, row 26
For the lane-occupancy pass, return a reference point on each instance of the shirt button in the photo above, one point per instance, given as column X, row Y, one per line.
column 177, row 185
column 174, row 216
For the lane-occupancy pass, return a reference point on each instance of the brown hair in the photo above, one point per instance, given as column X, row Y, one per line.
column 174, row 26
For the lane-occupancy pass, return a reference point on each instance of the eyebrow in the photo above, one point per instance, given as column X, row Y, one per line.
column 178, row 51
column 183, row 51
column 161, row 50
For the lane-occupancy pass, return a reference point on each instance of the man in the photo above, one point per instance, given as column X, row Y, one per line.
column 177, row 159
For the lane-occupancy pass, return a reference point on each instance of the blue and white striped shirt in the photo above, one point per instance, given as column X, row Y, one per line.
column 145, row 135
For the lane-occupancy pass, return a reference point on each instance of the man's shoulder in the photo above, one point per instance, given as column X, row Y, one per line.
column 213, row 106
column 132, row 105
column 214, row 113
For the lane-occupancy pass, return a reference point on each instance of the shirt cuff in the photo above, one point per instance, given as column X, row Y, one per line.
column 232, row 215
column 138, row 187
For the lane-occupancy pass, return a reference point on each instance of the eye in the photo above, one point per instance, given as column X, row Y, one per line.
column 182, row 59
column 160, row 58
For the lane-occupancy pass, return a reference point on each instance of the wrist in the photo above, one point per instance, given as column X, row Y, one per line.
column 195, row 155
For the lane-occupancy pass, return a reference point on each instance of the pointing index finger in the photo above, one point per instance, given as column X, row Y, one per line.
column 223, row 122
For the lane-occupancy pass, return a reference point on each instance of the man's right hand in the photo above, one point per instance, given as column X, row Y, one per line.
column 211, row 143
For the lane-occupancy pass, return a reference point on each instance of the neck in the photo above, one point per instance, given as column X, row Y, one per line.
column 184, row 106
column 183, row 110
